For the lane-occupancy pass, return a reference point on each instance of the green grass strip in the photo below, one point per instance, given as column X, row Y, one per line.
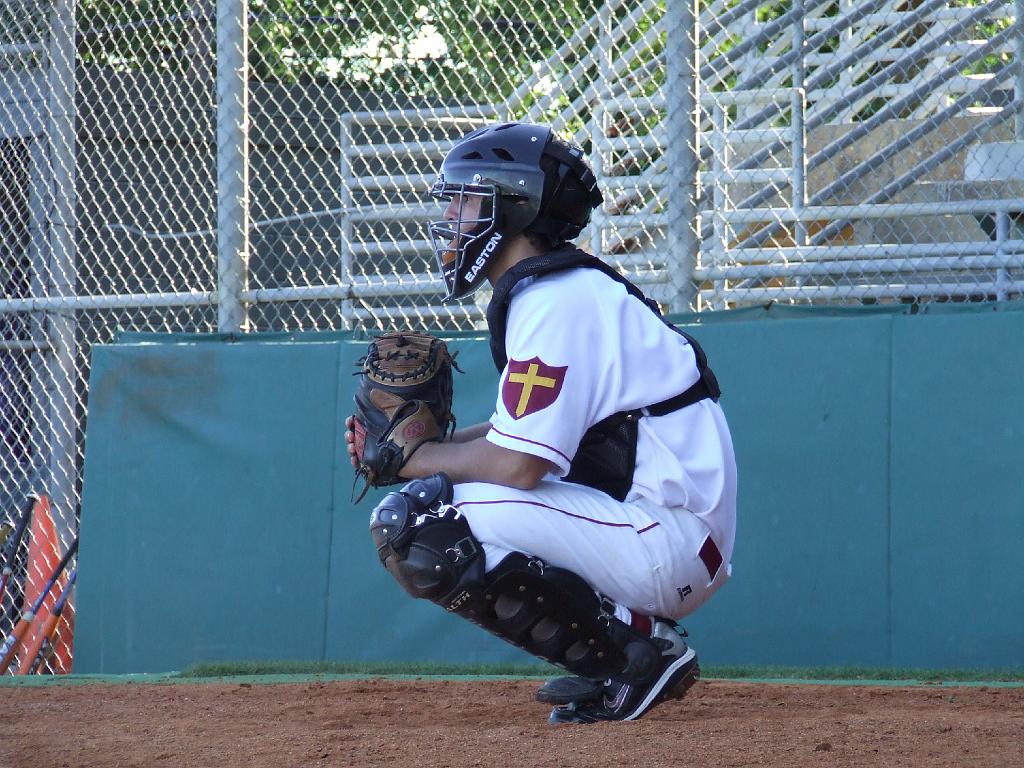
column 862, row 673
column 254, row 672
column 371, row 669
column 176, row 678
column 44, row 681
column 363, row 668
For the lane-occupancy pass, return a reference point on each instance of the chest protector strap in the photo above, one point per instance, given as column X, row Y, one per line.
column 606, row 457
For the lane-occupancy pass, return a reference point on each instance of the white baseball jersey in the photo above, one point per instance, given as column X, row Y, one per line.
column 581, row 348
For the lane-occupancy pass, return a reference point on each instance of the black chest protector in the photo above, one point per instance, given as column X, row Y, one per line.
column 606, row 456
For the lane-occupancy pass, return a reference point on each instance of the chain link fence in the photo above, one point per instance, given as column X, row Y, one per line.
column 203, row 165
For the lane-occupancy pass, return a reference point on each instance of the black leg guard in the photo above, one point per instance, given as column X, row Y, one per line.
column 425, row 543
column 428, row 547
column 556, row 615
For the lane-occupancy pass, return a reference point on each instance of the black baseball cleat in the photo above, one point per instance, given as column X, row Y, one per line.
column 562, row 691
column 595, row 702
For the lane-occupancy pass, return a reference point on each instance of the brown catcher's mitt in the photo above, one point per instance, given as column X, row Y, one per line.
column 404, row 399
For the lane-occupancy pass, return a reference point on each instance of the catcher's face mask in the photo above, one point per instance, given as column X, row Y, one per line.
column 466, row 238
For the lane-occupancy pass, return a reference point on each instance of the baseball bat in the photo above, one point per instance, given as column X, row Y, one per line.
column 14, row 542
column 10, row 645
column 43, row 643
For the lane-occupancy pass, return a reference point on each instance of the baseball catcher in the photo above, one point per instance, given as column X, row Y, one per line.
column 404, row 399
column 597, row 505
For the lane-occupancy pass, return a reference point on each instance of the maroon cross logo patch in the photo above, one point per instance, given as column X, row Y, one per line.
column 530, row 386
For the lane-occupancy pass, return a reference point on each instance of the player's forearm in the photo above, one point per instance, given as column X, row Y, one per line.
column 474, row 432
column 477, row 460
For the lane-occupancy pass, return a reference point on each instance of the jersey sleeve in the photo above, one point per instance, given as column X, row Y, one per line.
column 551, row 383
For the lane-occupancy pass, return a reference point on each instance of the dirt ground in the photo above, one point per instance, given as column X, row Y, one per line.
column 427, row 723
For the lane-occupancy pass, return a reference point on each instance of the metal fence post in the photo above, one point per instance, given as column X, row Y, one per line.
column 345, row 167
column 1002, row 235
column 232, row 163
column 63, row 327
column 719, row 199
column 1018, row 81
column 682, row 152
column 797, row 107
column 598, row 124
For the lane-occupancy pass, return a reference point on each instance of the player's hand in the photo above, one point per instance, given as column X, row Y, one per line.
column 350, row 441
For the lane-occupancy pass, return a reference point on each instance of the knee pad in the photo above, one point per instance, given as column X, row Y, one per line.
column 425, row 543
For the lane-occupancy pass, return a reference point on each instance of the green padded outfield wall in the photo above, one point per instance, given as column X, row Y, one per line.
column 881, row 505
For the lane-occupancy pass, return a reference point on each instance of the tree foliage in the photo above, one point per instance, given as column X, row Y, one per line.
column 467, row 50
